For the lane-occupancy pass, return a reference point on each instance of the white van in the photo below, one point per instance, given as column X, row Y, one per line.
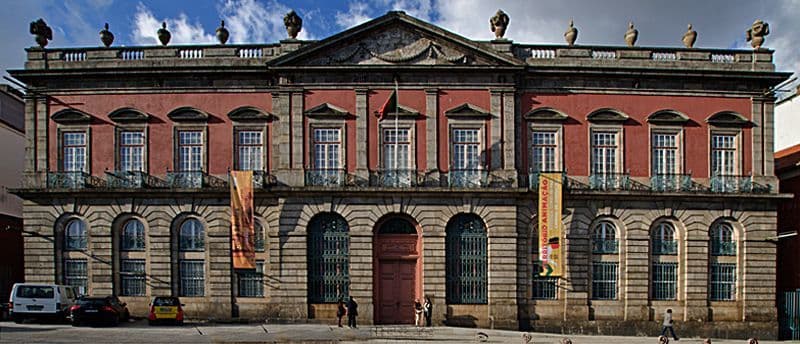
column 38, row 300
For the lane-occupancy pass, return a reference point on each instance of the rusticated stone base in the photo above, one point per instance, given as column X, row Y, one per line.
column 717, row 329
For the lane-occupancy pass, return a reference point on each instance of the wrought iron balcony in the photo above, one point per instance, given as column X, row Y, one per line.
column 533, row 179
column 73, row 180
column 185, row 179
column 736, row 184
column 605, row 246
column 132, row 180
column 671, row 182
column 263, row 179
column 326, row 177
column 396, row 178
column 723, row 248
column 473, row 178
column 610, row 181
column 665, row 247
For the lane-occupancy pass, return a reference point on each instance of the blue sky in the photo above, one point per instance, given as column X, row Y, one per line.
column 719, row 23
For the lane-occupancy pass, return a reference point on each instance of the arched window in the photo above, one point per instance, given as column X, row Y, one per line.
column 397, row 225
column 192, row 235
column 328, row 258
column 722, row 243
column 258, row 241
column 604, row 238
column 663, row 239
column 466, row 260
column 132, row 236
column 75, row 235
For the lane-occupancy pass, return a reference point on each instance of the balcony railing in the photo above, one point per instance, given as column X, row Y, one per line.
column 723, row 248
column 736, row 184
column 468, row 178
column 604, row 246
column 73, row 180
column 132, row 180
column 397, row 178
column 262, row 179
column 665, row 247
column 185, row 179
column 326, row 177
column 533, row 179
column 671, row 182
column 610, row 181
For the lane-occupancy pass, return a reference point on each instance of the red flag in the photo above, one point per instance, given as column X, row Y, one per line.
column 389, row 106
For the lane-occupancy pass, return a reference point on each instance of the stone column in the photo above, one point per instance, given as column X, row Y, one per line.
column 101, row 274
column 758, row 137
column 509, row 135
column 769, row 137
column 362, row 117
column 495, row 144
column 433, row 266
column 42, row 119
column 432, row 134
column 361, row 268
column 281, row 141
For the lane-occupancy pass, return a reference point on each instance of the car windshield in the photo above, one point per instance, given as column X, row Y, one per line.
column 92, row 301
column 165, row 301
column 35, row 292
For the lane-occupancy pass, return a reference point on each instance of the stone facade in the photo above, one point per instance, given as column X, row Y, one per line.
column 499, row 89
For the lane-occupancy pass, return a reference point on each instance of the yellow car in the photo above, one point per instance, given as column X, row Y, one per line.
column 165, row 309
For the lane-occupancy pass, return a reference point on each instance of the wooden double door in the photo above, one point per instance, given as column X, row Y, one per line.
column 397, row 284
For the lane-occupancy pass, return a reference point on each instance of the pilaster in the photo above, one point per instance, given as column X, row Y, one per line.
column 431, row 139
column 362, row 117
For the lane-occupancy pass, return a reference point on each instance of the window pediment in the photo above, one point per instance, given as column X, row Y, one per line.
column 71, row 116
column 327, row 110
column 128, row 115
column 250, row 113
column 468, row 111
column 607, row 116
column 667, row 117
column 545, row 114
column 404, row 112
column 188, row 114
column 727, row 118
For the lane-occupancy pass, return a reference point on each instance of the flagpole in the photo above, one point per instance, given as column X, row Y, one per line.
column 396, row 134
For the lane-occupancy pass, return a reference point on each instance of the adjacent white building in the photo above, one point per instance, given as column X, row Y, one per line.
column 787, row 121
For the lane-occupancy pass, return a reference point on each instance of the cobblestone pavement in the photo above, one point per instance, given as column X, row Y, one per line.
column 140, row 332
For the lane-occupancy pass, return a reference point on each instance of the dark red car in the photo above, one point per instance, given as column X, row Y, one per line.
column 99, row 310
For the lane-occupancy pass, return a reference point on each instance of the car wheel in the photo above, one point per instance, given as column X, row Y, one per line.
column 76, row 323
column 150, row 322
column 127, row 316
column 179, row 322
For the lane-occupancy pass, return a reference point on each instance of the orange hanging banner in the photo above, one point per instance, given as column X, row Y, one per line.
column 550, row 227
column 242, row 230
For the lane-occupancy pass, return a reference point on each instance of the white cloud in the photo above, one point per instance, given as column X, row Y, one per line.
column 422, row 9
column 145, row 29
column 250, row 21
column 357, row 13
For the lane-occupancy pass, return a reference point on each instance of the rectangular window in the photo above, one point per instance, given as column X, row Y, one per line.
column 544, row 288
column 74, row 151
column 604, row 280
column 396, row 149
column 192, row 274
column 327, row 149
column 665, row 281
column 250, row 145
column 251, row 283
column 190, row 151
column 131, row 151
column 543, row 151
column 132, row 277
column 723, row 282
column 723, row 155
column 75, row 274
column 665, row 153
column 605, row 150
column 466, row 149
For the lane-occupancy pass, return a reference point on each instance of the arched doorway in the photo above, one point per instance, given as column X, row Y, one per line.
column 397, row 270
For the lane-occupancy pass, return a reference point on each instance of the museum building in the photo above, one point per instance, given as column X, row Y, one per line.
column 666, row 158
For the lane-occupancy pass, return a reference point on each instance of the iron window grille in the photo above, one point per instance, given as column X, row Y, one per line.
column 543, row 288
column 722, row 243
column 75, row 235
column 466, row 258
column 723, row 282
column 251, row 282
column 132, row 277
column 665, row 281
column 76, row 274
column 663, row 240
column 328, row 259
column 604, row 238
column 132, row 236
column 604, row 280
column 192, row 274
column 259, row 240
column 192, row 236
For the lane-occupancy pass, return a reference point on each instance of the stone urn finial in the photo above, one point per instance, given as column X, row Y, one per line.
column 499, row 24
column 41, row 32
column 572, row 34
column 106, row 36
column 631, row 35
column 689, row 37
column 757, row 33
column 293, row 23
column 163, row 34
column 222, row 33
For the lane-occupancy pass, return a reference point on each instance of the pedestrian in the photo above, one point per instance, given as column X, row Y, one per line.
column 352, row 313
column 427, row 308
column 667, row 324
column 417, row 313
column 340, row 311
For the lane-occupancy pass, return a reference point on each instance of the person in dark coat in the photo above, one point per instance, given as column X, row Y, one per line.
column 340, row 311
column 428, row 309
column 352, row 313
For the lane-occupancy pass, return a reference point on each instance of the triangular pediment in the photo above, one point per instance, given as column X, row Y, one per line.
column 327, row 110
column 128, row 115
column 403, row 112
column 467, row 110
column 395, row 39
column 727, row 118
column 71, row 116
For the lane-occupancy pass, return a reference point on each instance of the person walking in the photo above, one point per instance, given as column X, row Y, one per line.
column 352, row 313
column 340, row 311
column 667, row 324
column 417, row 313
column 427, row 309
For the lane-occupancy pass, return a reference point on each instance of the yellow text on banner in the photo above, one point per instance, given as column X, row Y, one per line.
column 550, row 226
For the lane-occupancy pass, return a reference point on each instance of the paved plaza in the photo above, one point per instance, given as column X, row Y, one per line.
column 140, row 332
